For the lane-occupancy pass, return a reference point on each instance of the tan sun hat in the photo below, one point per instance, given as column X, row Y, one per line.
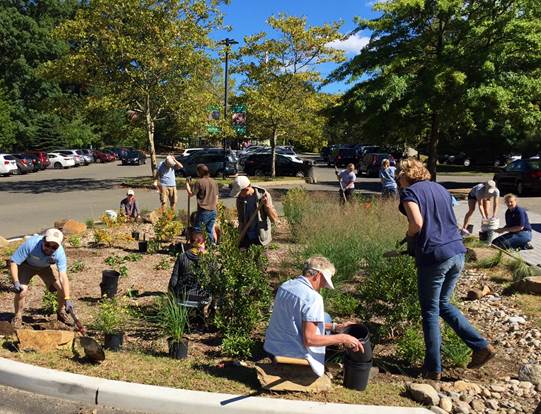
column 54, row 236
column 239, row 184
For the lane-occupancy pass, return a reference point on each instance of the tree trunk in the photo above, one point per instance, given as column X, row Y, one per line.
column 433, row 145
column 273, row 152
column 150, row 133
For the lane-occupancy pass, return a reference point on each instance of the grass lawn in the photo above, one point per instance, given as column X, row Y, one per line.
column 141, row 182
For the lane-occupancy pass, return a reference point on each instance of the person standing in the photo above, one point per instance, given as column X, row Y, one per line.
column 206, row 193
column 255, row 212
column 435, row 242
column 481, row 195
column 518, row 231
column 128, row 206
column 347, row 180
column 43, row 256
column 388, row 182
column 166, row 181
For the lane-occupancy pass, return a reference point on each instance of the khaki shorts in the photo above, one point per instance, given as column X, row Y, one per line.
column 47, row 274
column 168, row 193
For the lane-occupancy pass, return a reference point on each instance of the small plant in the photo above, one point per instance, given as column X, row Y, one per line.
column 111, row 222
column 153, row 246
column 172, row 317
column 491, row 262
column 49, row 302
column 103, row 237
column 164, row 264
column 133, row 257
column 114, row 260
column 123, row 270
column 520, row 269
column 167, row 227
column 411, row 346
column 237, row 346
column 77, row 266
column 454, row 352
column 74, row 240
column 113, row 315
column 89, row 223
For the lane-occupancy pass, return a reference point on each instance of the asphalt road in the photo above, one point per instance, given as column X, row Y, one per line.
column 33, row 202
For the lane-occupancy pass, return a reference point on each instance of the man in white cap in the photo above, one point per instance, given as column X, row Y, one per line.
column 40, row 255
column 481, row 195
column 254, row 211
column 166, row 181
column 298, row 324
column 128, row 206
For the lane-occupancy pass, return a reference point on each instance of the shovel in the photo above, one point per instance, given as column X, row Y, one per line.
column 92, row 350
column 342, row 191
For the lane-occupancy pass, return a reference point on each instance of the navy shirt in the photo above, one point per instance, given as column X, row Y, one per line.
column 517, row 217
column 439, row 238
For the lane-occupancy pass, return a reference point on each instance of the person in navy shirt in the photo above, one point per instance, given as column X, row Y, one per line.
column 518, row 231
column 38, row 255
column 435, row 242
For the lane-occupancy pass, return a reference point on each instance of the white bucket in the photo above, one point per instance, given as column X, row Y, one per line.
column 112, row 214
column 488, row 226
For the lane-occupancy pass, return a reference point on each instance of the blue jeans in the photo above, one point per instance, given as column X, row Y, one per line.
column 436, row 285
column 513, row 240
column 206, row 218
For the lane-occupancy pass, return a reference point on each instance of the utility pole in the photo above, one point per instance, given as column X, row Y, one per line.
column 227, row 42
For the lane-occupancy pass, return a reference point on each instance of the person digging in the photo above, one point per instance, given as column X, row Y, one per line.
column 43, row 256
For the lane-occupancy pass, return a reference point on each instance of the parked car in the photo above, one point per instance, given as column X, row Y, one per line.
column 340, row 157
column 371, row 163
column 8, row 164
column 36, row 161
column 189, row 151
column 88, row 154
column 77, row 157
column 42, row 156
column 521, row 177
column 119, row 151
column 468, row 160
column 104, row 156
column 58, row 160
column 213, row 158
column 25, row 164
column 134, row 157
column 286, row 165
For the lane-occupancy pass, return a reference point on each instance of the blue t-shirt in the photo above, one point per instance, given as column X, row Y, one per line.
column 167, row 175
column 387, row 177
column 517, row 217
column 439, row 238
column 296, row 301
column 31, row 251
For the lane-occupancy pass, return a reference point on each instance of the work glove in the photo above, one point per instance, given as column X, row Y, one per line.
column 412, row 244
column 17, row 287
column 68, row 306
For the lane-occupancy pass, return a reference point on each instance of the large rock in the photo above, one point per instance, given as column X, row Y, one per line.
column 446, row 404
column 3, row 242
column 467, row 387
column 44, row 341
column 531, row 284
column 153, row 216
column 423, row 393
column 284, row 377
column 478, row 406
column 530, row 373
column 461, row 407
column 73, row 227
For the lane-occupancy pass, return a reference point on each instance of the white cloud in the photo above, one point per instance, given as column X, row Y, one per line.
column 351, row 45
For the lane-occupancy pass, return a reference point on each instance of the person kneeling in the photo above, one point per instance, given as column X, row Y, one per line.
column 517, row 227
column 298, row 321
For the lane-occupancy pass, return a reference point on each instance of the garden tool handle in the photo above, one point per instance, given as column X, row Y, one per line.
column 249, row 223
column 289, row 360
column 78, row 323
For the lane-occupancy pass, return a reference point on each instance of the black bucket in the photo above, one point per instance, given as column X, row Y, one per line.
column 143, row 246
column 113, row 342
column 109, row 283
column 483, row 236
column 362, row 334
column 178, row 350
column 470, row 228
column 356, row 374
column 135, row 235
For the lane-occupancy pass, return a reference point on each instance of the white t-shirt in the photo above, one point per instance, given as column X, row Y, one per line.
column 480, row 192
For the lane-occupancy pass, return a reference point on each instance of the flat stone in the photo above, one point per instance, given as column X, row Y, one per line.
column 3, row 242
column 516, row 320
column 73, row 227
column 296, row 378
column 493, row 404
column 446, row 404
column 477, row 406
column 464, row 386
column 461, row 407
column 45, row 340
column 498, row 388
column 423, row 393
column 530, row 373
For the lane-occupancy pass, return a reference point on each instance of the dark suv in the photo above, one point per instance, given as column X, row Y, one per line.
column 340, row 157
column 218, row 162
column 134, row 157
column 371, row 163
column 286, row 165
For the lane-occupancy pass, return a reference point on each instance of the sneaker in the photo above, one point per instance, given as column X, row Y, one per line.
column 17, row 322
column 464, row 232
column 528, row 246
column 63, row 317
column 481, row 357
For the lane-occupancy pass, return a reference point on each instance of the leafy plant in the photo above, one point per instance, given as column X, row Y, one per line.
column 114, row 260
column 103, row 237
column 167, row 227
column 74, row 240
column 111, row 222
column 172, row 317
column 123, row 270
column 153, row 246
column 89, row 223
column 339, row 303
column 491, row 262
column 112, row 317
column 237, row 346
column 164, row 264
column 454, row 352
column 77, row 266
column 133, row 257
column 49, row 302
column 411, row 346
column 520, row 269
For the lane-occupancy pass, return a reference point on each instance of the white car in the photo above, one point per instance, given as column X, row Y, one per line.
column 75, row 154
column 59, row 161
column 8, row 164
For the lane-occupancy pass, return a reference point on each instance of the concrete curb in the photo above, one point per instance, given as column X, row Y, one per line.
column 154, row 399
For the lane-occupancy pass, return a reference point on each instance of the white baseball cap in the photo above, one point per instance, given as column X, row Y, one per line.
column 324, row 266
column 239, row 184
column 54, row 236
column 130, row 192
column 491, row 186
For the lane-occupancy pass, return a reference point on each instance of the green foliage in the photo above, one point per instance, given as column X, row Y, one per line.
column 295, row 204
column 89, row 223
column 172, row 317
column 340, row 304
column 238, row 283
column 454, row 352
column 237, row 346
column 74, row 240
column 114, row 261
column 133, row 257
column 411, row 345
column 49, row 302
column 77, row 266
column 167, row 227
column 153, row 246
column 520, row 269
column 112, row 317
column 123, row 270
column 491, row 262
column 164, row 264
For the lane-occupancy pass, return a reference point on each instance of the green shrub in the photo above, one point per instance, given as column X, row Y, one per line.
column 411, row 345
column 153, row 246
column 49, row 302
column 74, row 240
column 167, row 227
column 238, row 283
column 520, row 269
column 491, row 262
column 112, row 317
column 339, row 303
column 133, row 257
column 237, row 346
column 89, row 223
column 123, row 270
column 172, row 317
column 164, row 264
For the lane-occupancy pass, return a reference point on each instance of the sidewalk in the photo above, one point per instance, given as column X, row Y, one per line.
column 533, row 257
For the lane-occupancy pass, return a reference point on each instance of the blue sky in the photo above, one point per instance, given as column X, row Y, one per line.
column 249, row 16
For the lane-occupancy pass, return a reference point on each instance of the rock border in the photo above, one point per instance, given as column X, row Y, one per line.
column 155, row 399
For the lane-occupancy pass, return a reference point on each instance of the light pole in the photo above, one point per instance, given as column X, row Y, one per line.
column 227, row 42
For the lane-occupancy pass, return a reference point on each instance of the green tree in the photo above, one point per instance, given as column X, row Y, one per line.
column 7, row 125
column 146, row 57
column 431, row 65
column 281, row 78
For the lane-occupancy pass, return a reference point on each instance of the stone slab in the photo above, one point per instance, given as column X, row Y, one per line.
column 44, row 341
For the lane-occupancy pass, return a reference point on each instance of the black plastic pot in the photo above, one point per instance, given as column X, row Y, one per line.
column 178, row 350
column 143, row 246
column 135, row 235
column 109, row 283
column 470, row 228
column 356, row 374
column 362, row 334
column 113, row 342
